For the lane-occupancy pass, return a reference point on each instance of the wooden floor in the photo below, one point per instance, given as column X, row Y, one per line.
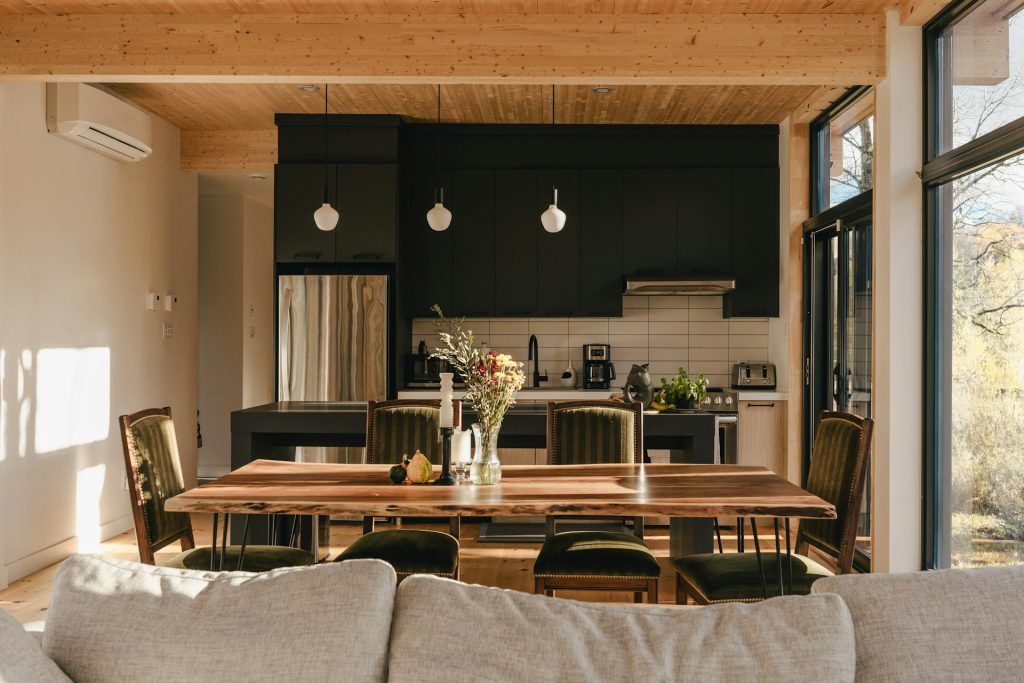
column 491, row 564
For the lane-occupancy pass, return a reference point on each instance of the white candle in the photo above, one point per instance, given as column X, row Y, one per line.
column 447, row 408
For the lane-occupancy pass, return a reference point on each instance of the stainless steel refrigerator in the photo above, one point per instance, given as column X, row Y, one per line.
column 332, row 345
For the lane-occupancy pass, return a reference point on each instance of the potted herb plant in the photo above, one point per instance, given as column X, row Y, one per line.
column 682, row 392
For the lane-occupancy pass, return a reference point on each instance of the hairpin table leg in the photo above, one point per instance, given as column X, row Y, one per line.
column 213, row 542
column 760, row 563
column 778, row 555
column 245, row 536
column 224, row 540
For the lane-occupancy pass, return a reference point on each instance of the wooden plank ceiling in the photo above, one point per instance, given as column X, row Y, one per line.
column 230, row 106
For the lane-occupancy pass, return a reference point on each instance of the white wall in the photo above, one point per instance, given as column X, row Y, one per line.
column 898, row 251
column 236, row 298
column 82, row 239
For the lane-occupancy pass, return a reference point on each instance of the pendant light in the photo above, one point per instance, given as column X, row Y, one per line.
column 553, row 219
column 326, row 217
column 439, row 217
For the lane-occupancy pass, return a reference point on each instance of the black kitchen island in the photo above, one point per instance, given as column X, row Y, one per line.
column 272, row 431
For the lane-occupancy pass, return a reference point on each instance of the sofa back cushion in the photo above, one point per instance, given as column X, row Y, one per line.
column 447, row 631
column 20, row 656
column 112, row 620
column 960, row 624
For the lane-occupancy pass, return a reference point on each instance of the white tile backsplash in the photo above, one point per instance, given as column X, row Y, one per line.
column 666, row 331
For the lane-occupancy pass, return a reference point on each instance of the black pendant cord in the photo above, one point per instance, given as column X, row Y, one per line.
column 554, row 190
column 326, row 197
column 438, row 192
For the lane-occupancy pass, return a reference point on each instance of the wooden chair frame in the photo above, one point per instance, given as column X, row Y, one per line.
column 146, row 549
column 848, row 539
column 637, row 585
column 454, row 523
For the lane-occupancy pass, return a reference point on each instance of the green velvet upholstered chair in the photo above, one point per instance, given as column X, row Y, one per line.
column 839, row 460
column 588, row 433
column 394, row 429
column 154, row 475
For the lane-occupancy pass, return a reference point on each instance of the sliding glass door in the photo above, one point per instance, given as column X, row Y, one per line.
column 838, row 335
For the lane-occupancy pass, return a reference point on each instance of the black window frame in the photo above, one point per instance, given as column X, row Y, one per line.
column 938, row 169
column 819, row 151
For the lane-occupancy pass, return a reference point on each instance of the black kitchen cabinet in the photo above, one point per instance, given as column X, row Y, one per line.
column 298, row 192
column 648, row 231
column 601, row 227
column 368, row 203
column 558, row 258
column 755, row 236
column 705, row 208
column 473, row 239
column 516, row 228
column 425, row 268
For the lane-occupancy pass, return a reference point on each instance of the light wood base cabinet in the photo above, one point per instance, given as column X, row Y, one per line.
column 761, row 434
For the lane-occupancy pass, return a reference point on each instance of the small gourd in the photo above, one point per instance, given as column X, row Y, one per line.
column 419, row 469
column 397, row 474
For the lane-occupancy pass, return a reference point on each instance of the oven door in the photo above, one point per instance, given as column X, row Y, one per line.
column 725, row 444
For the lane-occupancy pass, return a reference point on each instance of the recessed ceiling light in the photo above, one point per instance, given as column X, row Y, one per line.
column 309, row 87
column 258, row 176
column 603, row 89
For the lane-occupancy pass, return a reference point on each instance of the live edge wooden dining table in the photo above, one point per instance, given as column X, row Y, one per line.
column 271, row 487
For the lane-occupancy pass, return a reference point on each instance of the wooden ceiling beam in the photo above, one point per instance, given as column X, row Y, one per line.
column 617, row 49
column 919, row 12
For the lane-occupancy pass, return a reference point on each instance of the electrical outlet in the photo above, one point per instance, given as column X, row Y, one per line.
column 252, row 330
column 168, row 330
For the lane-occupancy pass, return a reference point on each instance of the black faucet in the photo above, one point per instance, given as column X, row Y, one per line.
column 533, row 354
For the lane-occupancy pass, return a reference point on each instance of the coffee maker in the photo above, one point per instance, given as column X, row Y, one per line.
column 598, row 371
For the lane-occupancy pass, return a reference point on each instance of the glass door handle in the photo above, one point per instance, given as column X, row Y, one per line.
column 837, row 384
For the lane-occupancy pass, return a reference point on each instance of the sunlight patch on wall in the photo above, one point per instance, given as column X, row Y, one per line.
column 3, row 404
column 72, row 397
column 24, row 401
column 87, row 507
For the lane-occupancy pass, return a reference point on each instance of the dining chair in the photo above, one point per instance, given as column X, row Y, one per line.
column 394, row 429
column 586, row 433
column 839, row 460
column 153, row 468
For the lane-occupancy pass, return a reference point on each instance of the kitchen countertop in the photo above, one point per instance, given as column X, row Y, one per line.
column 563, row 394
column 762, row 395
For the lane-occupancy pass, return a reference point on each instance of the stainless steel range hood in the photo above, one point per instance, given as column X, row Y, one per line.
column 665, row 286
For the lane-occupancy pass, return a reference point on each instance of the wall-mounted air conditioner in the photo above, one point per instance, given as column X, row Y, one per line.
column 96, row 119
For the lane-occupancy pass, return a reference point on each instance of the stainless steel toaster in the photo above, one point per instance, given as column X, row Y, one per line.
column 747, row 375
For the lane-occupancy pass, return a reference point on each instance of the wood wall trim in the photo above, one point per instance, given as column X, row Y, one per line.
column 799, row 210
column 228, row 150
column 792, row 49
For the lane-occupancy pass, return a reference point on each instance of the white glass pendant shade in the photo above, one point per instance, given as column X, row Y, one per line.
column 439, row 217
column 326, row 217
column 553, row 219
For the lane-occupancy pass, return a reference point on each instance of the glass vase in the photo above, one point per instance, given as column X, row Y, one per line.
column 486, row 468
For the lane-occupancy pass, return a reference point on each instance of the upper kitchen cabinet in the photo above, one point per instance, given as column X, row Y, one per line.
column 426, row 256
column 298, row 192
column 648, row 233
column 600, row 254
column 368, row 204
column 558, row 256
column 705, row 207
column 755, row 238
column 516, row 228
column 474, row 243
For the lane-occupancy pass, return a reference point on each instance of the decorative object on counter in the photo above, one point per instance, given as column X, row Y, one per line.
column 553, row 219
column 397, row 473
column 681, row 392
column 418, row 469
column 492, row 381
column 748, row 375
column 639, row 387
column 326, row 217
column 439, row 217
column 569, row 376
column 447, row 427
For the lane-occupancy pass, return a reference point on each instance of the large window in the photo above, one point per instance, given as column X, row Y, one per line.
column 974, row 177
column 838, row 274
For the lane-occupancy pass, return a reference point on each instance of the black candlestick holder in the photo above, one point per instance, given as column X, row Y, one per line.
column 446, row 478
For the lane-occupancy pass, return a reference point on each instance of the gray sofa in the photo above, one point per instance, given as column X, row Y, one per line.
column 112, row 620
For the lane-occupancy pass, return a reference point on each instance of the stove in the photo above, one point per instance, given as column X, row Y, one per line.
column 720, row 401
